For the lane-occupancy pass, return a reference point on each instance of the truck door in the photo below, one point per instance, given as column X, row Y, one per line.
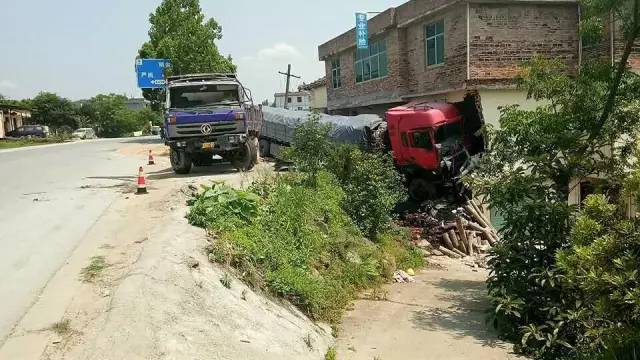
column 422, row 152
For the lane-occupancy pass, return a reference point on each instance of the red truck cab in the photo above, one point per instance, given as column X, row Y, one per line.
column 429, row 143
column 415, row 130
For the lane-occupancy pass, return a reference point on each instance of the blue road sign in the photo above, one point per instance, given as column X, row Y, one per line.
column 362, row 31
column 151, row 73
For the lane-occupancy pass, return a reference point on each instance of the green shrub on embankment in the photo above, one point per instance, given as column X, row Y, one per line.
column 301, row 235
column 297, row 241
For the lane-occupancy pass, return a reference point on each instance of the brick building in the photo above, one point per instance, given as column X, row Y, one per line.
column 11, row 118
column 444, row 50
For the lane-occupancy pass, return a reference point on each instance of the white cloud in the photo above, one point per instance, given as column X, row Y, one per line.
column 279, row 51
column 7, row 84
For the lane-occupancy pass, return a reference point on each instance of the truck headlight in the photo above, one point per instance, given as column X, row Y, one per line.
column 239, row 116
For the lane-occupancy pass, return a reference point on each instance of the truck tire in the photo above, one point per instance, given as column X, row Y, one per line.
column 180, row 161
column 242, row 159
column 421, row 189
column 255, row 148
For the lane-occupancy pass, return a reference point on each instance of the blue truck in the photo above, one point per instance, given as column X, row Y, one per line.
column 208, row 115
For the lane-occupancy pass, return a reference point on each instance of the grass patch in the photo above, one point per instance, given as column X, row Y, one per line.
column 92, row 271
column 62, row 327
column 331, row 354
column 11, row 144
column 295, row 240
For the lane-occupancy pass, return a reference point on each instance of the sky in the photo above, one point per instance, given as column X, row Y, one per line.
column 80, row 48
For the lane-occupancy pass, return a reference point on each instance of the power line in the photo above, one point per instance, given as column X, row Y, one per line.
column 289, row 76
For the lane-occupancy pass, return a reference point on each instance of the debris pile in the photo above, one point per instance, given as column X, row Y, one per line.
column 457, row 232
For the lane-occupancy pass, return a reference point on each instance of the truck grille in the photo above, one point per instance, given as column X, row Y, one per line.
column 218, row 128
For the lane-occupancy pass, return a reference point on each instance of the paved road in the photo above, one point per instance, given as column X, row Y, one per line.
column 46, row 207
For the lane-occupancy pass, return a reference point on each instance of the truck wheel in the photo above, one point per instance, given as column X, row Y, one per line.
column 421, row 189
column 255, row 150
column 205, row 159
column 242, row 159
column 180, row 161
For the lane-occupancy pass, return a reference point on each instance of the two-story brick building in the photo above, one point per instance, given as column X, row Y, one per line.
column 446, row 49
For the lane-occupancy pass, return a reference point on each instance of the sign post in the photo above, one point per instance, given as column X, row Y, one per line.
column 362, row 31
column 151, row 73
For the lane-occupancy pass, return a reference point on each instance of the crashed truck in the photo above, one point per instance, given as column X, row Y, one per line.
column 432, row 144
column 213, row 115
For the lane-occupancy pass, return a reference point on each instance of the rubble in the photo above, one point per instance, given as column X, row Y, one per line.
column 460, row 232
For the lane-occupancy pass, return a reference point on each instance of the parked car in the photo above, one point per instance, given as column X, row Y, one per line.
column 84, row 134
column 30, row 131
column 155, row 130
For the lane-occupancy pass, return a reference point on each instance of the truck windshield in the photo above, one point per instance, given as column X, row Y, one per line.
column 199, row 96
column 449, row 133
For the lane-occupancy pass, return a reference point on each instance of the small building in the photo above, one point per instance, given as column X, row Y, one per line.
column 12, row 117
column 317, row 94
column 136, row 104
column 296, row 100
column 445, row 50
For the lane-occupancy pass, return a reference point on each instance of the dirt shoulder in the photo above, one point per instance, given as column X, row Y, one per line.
column 440, row 316
column 140, row 287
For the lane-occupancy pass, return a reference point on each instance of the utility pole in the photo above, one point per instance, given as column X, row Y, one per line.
column 289, row 76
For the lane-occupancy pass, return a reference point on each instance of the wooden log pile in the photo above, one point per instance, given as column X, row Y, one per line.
column 463, row 232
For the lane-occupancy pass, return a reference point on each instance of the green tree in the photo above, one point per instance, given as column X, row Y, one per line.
column 53, row 110
column 588, row 126
column 180, row 32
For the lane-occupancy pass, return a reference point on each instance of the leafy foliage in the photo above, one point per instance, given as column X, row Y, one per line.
column 371, row 184
column 562, row 278
column 52, row 110
column 297, row 241
column 109, row 116
column 222, row 207
column 180, row 32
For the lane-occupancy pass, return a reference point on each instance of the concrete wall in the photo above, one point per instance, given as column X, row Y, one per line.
column 493, row 100
column 294, row 104
column 318, row 98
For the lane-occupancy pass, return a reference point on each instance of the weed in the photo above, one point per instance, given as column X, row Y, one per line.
column 331, row 354
column 243, row 296
column 62, row 327
column 91, row 272
column 225, row 280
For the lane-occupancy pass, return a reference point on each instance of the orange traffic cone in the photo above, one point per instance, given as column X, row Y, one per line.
column 151, row 161
column 142, row 182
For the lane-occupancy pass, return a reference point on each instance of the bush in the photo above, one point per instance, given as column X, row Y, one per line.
column 299, row 243
column 372, row 187
column 371, row 184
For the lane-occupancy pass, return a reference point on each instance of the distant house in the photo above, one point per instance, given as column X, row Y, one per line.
column 296, row 100
column 12, row 117
column 318, row 94
column 136, row 104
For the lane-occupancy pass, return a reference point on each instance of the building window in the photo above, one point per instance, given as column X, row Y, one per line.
column 371, row 63
column 299, row 107
column 335, row 73
column 289, row 100
column 435, row 43
column 299, row 99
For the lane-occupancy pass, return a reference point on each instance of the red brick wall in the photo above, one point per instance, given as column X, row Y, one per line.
column 452, row 74
column 352, row 94
column 503, row 36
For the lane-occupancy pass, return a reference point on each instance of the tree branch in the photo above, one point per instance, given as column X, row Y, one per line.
column 621, row 68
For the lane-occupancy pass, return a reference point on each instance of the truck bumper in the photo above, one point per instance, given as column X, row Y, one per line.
column 220, row 144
